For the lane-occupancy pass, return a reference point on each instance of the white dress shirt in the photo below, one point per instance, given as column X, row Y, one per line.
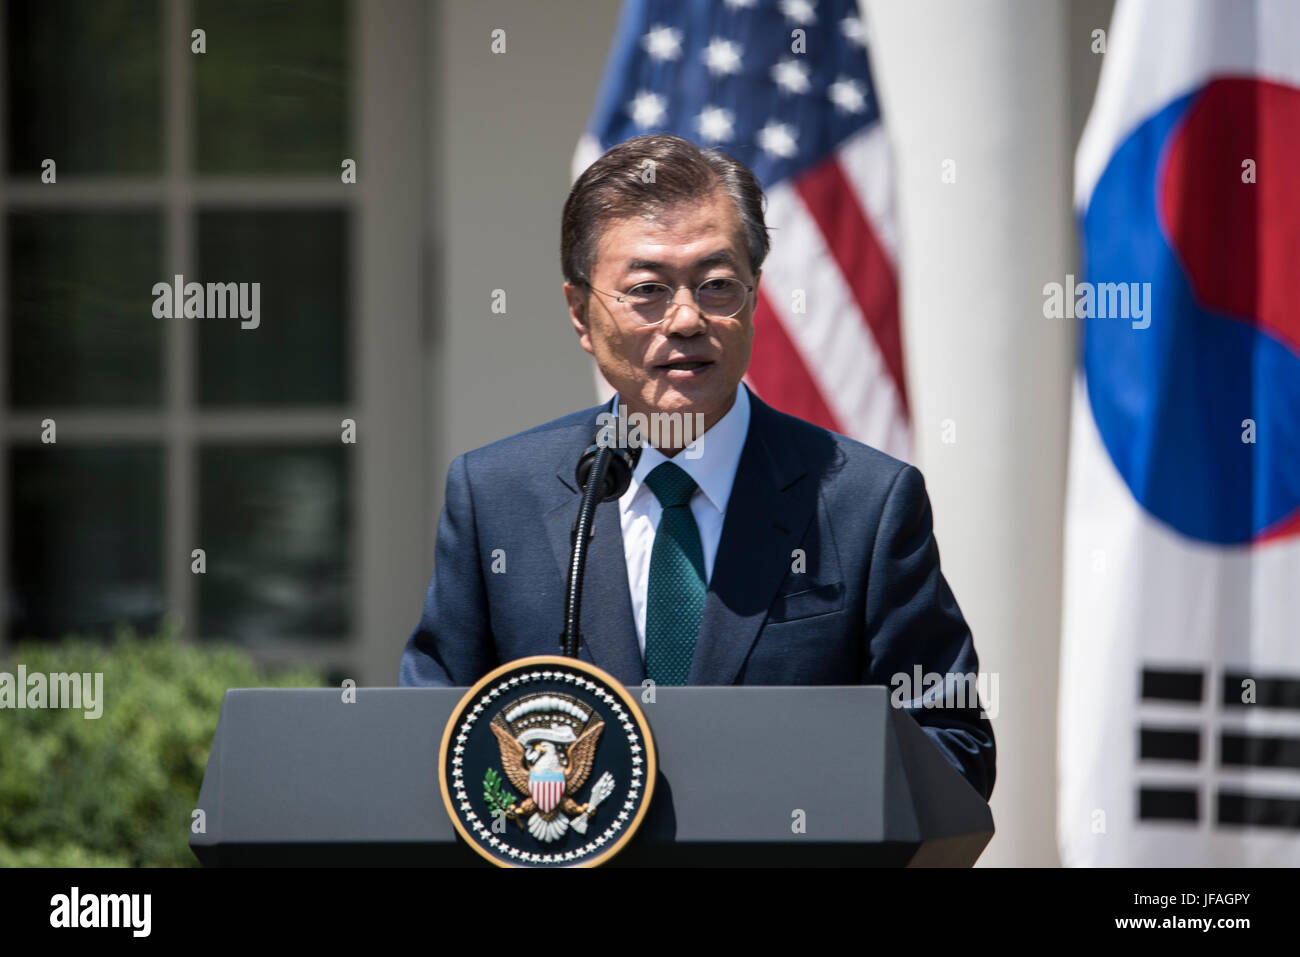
column 714, row 472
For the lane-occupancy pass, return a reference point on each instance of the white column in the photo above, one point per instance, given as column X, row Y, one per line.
column 979, row 90
column 389, row 458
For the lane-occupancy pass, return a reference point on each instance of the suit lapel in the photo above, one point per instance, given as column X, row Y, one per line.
column 770, row 506
column 608, row 628
column 768, row 511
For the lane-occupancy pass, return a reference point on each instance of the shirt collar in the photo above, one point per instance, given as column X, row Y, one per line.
column 714, row 469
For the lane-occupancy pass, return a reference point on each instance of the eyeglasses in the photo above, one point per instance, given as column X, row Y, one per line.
column 718, row 298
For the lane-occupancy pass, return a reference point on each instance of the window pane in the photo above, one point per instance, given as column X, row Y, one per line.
column 296, row 353
column 85, row 549
column 81, row 323
column 274, row 524
column 85, row 86
column 272, row 90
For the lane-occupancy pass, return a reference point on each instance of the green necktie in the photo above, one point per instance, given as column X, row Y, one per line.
column 675, row 596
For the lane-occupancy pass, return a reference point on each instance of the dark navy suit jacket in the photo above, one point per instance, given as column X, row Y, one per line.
column 868, row 603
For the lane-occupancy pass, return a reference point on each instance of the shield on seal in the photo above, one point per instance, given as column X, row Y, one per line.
column 546, row 787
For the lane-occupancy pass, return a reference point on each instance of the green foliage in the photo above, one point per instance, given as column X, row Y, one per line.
column 499, row 799
column 117, row 790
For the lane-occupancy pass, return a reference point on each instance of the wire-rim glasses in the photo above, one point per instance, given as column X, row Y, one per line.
column 721, row 297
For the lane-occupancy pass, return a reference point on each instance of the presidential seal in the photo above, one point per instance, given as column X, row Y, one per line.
column 547, row 762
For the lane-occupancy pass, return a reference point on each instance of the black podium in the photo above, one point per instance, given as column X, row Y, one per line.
column 748, row 776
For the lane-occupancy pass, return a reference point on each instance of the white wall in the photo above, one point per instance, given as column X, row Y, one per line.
column 504, row 130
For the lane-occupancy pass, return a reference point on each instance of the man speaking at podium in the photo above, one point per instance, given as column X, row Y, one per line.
column 770, row 552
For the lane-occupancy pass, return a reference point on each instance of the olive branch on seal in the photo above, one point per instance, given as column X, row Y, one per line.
column 499, row 799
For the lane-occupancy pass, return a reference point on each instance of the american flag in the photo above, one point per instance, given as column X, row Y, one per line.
column 785, row 87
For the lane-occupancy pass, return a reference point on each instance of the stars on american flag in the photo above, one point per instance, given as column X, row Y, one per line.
column 647, row 108
column 791, row 75
column 716, row 124
column 663, row 43
column 798, row 11
column 778, row 139
column 722, row 57
column 737, row 83
column 848, row 94
column 855, row 31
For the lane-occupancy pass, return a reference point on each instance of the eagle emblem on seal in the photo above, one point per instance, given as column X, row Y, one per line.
column 548, row 744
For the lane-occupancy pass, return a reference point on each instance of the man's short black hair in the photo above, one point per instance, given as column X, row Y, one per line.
column 647, row 174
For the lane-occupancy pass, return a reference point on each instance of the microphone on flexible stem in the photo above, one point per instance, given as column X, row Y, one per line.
column 604, row 472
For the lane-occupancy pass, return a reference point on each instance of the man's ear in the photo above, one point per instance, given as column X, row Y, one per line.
column 577, row 296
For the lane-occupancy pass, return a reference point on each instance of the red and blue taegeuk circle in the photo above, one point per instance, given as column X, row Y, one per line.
column 1223, row 346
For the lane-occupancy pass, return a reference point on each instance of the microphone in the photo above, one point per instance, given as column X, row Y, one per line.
column 617, row 476
column 604, row 472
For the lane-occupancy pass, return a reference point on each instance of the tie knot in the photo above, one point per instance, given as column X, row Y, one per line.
column 671, row 485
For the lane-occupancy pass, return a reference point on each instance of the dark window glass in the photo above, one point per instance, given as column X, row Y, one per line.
column 297, row 353
column 81, row 323
column 272, row 90
column 274, row 524
column 85, row 86
column 85, row 547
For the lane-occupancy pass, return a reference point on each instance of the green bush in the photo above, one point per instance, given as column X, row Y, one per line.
column 117, row 791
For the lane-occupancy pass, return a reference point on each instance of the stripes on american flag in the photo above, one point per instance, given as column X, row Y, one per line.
column 800, row 110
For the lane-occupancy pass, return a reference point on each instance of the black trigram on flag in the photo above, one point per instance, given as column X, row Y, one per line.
column 1237, row 776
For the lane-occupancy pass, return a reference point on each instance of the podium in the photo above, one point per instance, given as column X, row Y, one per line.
column 747, row 776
